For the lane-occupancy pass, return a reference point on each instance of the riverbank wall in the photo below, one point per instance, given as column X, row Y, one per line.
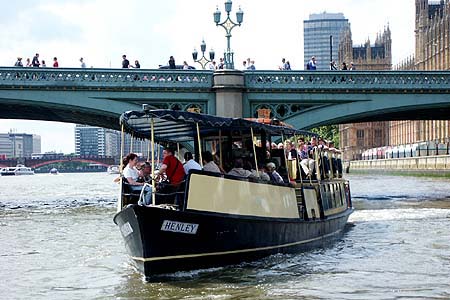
column 425, row 165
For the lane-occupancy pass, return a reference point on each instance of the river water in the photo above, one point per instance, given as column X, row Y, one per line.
column 58, row 241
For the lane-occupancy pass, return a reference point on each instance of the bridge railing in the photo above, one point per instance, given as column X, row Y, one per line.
column 76, row 77
column 304, row 81
column 368, row 81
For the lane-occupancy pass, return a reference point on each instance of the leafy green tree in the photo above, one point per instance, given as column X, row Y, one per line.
column 329, row 133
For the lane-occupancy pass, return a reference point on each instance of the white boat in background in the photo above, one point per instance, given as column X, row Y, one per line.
column 54, row 171
column 17, row 170
column 113, row 169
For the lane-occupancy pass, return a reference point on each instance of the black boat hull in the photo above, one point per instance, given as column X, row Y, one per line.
column 163, row 240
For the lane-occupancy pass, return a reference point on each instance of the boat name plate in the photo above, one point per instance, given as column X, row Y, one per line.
column 175, row 226
column 126, row 229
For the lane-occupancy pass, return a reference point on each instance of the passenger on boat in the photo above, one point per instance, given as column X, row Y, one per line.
column 172, row 167
column 262, row 173
column 145, row 172
column 238, row 169
column 208, row 163
column 273, row 174
column 335, row 160
column 324, row 157
column 306, row 163
column 190, row 163
column 131, row 174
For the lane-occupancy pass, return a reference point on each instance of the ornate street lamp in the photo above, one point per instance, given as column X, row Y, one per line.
column 228, row 25
column 203, row 61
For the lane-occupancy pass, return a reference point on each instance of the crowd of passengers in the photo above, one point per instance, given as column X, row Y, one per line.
column 172, row 172
column 175, row 170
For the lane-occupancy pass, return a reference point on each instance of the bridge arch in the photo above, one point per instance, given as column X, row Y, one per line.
column 49, row 162
column 306, row 99
column 379, row 107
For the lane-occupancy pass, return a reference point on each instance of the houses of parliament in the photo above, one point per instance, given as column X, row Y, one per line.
column 432, row 52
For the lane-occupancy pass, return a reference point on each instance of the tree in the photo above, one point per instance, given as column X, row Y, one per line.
column 329, row 133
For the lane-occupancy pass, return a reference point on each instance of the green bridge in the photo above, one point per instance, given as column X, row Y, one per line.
column 304, row 99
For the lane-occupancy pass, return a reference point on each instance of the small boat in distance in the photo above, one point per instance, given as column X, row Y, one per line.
column 17, row 170
column 212, row 218
column 113, row 169
column 54, row 171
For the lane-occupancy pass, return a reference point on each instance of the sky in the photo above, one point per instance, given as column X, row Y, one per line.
column 101, row 31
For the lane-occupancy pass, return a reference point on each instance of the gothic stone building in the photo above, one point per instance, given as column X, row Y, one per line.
column 357, row 137
column 432, row 52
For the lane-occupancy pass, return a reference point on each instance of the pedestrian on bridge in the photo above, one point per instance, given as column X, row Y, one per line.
column 35, row 62
column 18, row 62
column 125, row 62
column 172, row 63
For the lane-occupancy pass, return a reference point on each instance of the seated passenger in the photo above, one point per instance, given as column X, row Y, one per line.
column 306, row 162
column 132, row 174
column 238, row 169
column 130, row 171
column 145, row 173
column 273, row 174
column 208, row 163
column 190, row 163
column 261, row 174
column 172, row 167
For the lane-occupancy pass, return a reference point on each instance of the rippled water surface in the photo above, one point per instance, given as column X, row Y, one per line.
column 58, row 241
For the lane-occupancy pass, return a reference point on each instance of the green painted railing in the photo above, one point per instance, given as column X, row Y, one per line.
column 349, row 81
column 111, row 78
column 301, row 81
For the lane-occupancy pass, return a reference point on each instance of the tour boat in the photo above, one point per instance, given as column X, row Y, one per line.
column 17, row 170
column 113, row 169
column 215, row 219
column 54, row 171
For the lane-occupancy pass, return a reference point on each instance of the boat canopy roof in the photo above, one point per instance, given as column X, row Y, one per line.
column 180, row 126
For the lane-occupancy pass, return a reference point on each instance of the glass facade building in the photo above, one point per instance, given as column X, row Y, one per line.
column 316, row 34
column 98, row 141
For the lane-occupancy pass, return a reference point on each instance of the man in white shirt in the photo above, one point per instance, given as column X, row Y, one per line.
column 190, row 163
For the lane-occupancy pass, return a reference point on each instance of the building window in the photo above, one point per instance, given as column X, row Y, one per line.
column 360, row 134
column 360, row 138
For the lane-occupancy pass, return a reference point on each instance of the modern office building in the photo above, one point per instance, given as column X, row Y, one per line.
column 18, row 144
column 112, row 143
column 98, row 141
column 6, row 149
column 36, row 143
column 89, row 140
column 316, row 34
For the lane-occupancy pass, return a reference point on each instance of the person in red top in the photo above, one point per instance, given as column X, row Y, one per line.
column 172, row 167
column 55, row 62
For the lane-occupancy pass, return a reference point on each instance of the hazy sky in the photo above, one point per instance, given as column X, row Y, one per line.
column 150, row 31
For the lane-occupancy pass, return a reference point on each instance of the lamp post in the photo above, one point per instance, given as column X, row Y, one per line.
column 203, row 60
column 228, row 25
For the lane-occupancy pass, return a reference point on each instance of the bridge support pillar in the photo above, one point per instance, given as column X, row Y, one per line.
column 229, row 86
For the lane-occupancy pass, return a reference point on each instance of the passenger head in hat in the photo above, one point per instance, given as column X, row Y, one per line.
column 270, row 166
